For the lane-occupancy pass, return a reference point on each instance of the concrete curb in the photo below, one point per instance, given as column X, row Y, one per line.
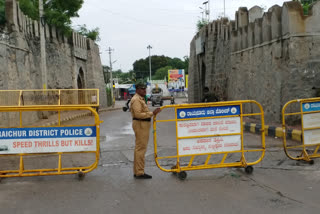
column 272, row 131
column 110, row 109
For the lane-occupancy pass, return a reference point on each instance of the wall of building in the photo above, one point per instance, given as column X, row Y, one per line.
column 65, row 57
column 269, row 57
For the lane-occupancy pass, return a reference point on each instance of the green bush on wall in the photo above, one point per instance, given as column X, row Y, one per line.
column 109, row 98
column 2, row 12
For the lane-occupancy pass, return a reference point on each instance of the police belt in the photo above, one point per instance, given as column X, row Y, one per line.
column 147, row 119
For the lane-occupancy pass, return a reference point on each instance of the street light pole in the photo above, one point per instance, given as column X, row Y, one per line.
column 111, row 79
column 224, row 8
column 149, row 47
column 203, row 12
column 207, row 9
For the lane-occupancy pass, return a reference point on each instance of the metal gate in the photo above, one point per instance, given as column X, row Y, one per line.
column 37, row 144
column 305, row 112
column 208, row 130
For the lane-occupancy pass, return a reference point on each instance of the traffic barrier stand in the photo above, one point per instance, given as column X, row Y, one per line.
column 23, row 148
column 50, row 97
column 207, row 135
column 307, row 113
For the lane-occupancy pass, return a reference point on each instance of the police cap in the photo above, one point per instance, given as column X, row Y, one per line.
column 141, row 85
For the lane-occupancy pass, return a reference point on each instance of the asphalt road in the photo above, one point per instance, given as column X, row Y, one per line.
column 277, row 184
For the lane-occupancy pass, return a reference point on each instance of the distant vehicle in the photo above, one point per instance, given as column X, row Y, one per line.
column 3, row 148
column 126, row 107
column 156, row 96
column 132, row 91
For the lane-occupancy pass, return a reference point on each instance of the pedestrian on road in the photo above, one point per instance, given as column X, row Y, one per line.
column 141, row 124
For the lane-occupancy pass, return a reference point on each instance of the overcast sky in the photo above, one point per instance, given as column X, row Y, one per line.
column 129, row 26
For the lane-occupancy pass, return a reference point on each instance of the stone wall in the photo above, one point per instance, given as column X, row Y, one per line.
column 65, row 57
column 270, row 57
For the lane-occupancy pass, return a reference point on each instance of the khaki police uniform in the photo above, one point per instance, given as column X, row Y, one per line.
column 141, row 124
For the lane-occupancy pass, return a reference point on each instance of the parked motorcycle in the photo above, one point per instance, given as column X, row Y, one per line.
column 126, row 107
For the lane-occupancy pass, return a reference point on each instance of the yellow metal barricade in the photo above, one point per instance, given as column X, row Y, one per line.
column 208, row 135
column 39, row 143
column 40, row 97
column 304, row 112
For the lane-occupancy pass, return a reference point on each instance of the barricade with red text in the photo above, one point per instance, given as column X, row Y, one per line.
column 305, row 112
column 34, row 150
column 207, row 135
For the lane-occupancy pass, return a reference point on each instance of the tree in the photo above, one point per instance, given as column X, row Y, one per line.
column 123, row 77
column 186, row 64
column 30, row 8
column 2, row 12
column 162, row 73
column 176, row 63
column 141, row 66
column 60, row 12
column 56, row 12
column 91, row 34
column 306, row 5
column 201, row 23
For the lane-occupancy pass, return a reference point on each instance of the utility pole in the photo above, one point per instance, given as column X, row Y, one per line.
column 224, row 8
column 202, row 13
column 42, row 47
column 149, row 47
column 207, row 9
column 111, row 79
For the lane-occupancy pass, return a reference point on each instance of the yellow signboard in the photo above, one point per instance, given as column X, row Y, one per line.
column 187, row 80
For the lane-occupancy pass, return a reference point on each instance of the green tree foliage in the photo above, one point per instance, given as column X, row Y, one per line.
column 162, row 73
column 201, row 23
column 306, row 5
column 186, row 64
column 141, row 66
column 91, row 34
column 30, row 8
column 56, row 12
column 2, row 12
column 60, row 12
column 176, row 63
column 123, row 77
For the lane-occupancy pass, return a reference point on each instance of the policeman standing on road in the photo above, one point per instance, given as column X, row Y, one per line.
column 141, row 124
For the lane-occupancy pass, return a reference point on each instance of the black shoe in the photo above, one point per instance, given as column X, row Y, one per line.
column 144, row 176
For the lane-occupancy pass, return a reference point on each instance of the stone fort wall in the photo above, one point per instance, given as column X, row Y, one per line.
column 71, row 62
column 271, row 57
column 66, row 57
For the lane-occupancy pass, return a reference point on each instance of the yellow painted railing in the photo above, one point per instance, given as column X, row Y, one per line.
column 213, row 139
column 50, row 97
column 307, row 113
column 55, row 142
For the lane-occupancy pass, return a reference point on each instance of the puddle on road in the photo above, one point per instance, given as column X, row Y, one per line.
column 125, row 130
column 109, row 138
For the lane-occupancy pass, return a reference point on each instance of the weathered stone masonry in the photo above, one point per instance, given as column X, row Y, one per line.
column 270, row 57
column 71, row 62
